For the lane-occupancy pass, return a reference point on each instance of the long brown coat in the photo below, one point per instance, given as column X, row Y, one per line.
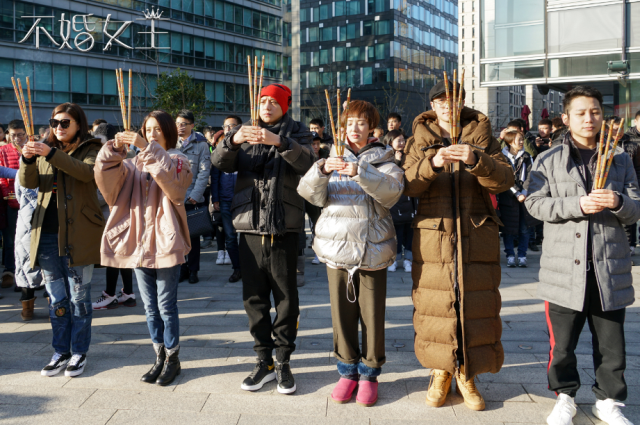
column 456, row 242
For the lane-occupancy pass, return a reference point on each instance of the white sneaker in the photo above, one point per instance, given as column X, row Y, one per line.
column 609, row 411
column 105, row 302
column 227, row 259
column 407, row 266
column 315, row 261
column 511, row 261
column 633, row 250
column 220, row 259
column 57, row 363
column 128, row 300
column 563, row 412
column 392, row 268
column 76, row 365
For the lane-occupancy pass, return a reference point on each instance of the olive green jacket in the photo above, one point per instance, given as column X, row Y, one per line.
column 79, row 215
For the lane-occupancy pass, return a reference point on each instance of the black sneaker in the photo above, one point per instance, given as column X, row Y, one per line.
column 236, row 276
column 533, row 247
column 57, row 363
column 193, row 277
column 286, row 384
column 261, row 374
column 76, row 365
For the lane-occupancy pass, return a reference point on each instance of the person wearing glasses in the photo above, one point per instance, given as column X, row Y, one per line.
column 67, row 228
column 222, row 187
column 195, row 147
column 456, row 255
column 10, row 159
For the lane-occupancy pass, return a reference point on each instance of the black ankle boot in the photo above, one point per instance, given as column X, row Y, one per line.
column 151, row 376
column 171, row 367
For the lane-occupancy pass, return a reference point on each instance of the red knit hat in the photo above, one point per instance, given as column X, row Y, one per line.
column 282, row 94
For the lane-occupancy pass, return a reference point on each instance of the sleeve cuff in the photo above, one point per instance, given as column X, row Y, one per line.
column 284, row 144
column 51, row 153
column 619, row 207
column 29, row 161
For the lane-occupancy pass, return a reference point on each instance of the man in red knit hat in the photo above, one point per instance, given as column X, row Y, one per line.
column 268, row 213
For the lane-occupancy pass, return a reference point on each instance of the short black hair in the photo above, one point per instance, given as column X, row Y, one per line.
column 187, row 115
column 17, row 125
column 391, row 136
column 616, row 119
column 234, row 117
column 638, row 114
column 208, row 129
column 106, row 130
column 580, row 91
column 515, row 123
column 544, row 121
column 98, row 122
column 317, row 121
column 394, row 115
column 557, row 122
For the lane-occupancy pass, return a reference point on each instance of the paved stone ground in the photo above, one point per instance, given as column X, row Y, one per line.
column 216, row 356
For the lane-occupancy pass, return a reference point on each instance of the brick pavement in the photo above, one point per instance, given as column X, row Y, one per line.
column 216, row 356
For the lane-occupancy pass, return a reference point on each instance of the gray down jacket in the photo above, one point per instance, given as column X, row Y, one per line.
column 555, row 186
column 355, row 229
column 26, row 277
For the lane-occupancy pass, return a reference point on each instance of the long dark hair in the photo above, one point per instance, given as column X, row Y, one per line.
column 167, row 125
column 81, row 135
column 391, row 136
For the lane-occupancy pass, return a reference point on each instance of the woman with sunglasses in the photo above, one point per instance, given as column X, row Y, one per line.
column 67, row 227
column 147, row 229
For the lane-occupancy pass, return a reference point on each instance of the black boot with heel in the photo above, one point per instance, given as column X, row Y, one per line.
column 155, row 371
column 171, row 367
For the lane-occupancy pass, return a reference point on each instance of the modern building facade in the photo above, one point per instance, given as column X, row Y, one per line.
column 208, row 38
column 389, row 52
column 500, row 103
column 558, row 44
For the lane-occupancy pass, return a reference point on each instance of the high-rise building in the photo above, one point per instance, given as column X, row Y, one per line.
column 210, row 39
column 389, row 52
column 500, row 103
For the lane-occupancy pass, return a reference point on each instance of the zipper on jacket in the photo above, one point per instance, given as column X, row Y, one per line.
column 144, row 213
column 66, row 219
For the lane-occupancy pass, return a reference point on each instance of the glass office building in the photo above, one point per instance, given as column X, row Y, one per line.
column 389, row 52
column 559, row 44
column 208, row 38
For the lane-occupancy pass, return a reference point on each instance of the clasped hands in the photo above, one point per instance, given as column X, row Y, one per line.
column 337, row 164
column 454, row 153
column 598, row 200
column 256, row 136
column 31, row 149
column 129, row 138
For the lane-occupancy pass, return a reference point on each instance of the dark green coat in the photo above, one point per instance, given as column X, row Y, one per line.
column 79, row 215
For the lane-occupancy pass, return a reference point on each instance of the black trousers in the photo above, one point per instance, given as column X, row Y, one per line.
column 632, row 234
column 112, row 280
column 193, row 257
column 607, row 331
column 269, row 267
column 314, row 214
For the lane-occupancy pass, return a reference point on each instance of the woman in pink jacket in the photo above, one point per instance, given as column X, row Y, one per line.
column 147, row 229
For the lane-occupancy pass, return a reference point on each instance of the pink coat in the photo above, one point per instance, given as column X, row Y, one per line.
column 148, row 222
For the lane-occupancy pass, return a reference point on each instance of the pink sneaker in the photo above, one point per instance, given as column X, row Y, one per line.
column 367, row 393
column 343, row 392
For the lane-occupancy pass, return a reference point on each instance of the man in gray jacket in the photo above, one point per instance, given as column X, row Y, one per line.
column 195, row 147
column 585, row 269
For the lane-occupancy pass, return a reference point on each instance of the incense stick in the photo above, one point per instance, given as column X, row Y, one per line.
column 129, row 106
column 333, row 127
column 606, row 155
column 30, row 109
column 255, row 89
column 460, row 100
column 453, row 112
column 251, row 99
column 260, row 87
column 610, row 159
column 600, row 150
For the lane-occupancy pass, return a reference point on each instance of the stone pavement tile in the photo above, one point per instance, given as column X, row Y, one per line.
column 146, row 400
column 279, row 420
column 318, row 312
column 45, row 396
column 315, row 343
column 207, row 317
column 630, row 412
column 515, row 375
column 633, row 362
column 216, row 377
column 125, row 328
column 256, row 403
column 150, row 417
column 515, row 325
column 38, row 414
column 28, row 378
column 22, row 349
column 522, row 359
column 400, row 408
column 525, row 335
column 399, row 344
column 533, row 347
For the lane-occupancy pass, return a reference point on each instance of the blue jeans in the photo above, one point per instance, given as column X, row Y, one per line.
column 70, row 307
column 230, row 236
column 159, row 291
column 523, row 237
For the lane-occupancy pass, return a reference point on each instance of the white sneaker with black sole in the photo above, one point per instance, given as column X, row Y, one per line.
column 105, row 302
column 220, row 259
column 261, row 374
column 286, row 383
column 407, row 266
column 57, row 363
column 127, row 300
column 76, row 365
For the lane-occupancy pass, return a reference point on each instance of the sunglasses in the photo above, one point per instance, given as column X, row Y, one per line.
column 63, row 123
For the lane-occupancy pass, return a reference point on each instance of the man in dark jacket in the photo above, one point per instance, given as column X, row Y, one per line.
column 585, row 272
column 317, row 125
column 268, row 213
column 222, row 188
column 629, row 142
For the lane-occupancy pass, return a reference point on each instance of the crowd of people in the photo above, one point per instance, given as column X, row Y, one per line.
column 90, row 196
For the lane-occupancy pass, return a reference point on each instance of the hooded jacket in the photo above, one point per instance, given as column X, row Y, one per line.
column 456, row 246
column 508, row 200
column 80, row 219
column 355, row 229
column 147, row 226
column 199, row 155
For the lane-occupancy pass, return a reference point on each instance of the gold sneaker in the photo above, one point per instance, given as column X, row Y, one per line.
column 439, row 387
column 467, row 389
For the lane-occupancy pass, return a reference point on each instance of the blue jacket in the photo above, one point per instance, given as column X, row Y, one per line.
column 197, row 150
column 222, row 185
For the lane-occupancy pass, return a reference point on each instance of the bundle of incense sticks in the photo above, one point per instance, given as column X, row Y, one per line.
column 603, row 165
column 27, row 114
column 124, row 108
column 339, row 136
column 255, row 89
column 454, row 102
